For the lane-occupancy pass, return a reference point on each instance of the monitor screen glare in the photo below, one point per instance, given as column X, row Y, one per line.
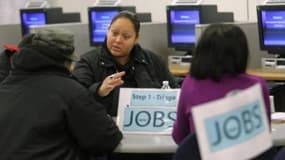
column 100, row 22
column 32, row 19
column 183, row 25
column 273, row 23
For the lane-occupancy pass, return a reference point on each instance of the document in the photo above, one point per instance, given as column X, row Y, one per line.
column 147, row 111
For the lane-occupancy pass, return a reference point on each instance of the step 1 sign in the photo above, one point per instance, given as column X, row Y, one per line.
column 235, row 126
column 147, row 110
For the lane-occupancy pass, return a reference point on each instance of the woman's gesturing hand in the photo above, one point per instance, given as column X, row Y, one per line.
column 111, row 82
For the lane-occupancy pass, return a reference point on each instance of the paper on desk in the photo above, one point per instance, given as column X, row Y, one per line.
column 147, row 111
column 278, row 117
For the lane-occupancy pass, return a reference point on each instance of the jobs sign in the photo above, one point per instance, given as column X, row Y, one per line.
column 226, row 127
column 147, row 110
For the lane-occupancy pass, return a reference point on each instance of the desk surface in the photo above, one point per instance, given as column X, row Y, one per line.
column 138, row 143
column 267, row 74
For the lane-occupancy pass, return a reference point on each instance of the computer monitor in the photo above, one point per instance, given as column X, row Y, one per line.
column 271, row 28
column 181, row 21
column 32, row 17
column 42, row 16
column 99, row 20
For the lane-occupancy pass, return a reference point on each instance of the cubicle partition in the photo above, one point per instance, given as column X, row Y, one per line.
column 80, row 31
column 153, row 36
column 251, row 31
column 10, row 34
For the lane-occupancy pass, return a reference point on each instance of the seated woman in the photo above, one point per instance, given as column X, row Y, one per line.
column 121, row 62
column 218, row 67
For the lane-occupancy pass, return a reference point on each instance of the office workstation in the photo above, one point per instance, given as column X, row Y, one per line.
column 158, row 31
column 132, row 143
column 163, row 143
column 260, row 62
column 267, row 74
column 154, row 36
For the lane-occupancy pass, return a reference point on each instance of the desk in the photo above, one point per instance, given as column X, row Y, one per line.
column 267, row 74
column 138, row 143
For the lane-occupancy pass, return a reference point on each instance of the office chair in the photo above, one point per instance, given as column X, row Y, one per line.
column 188, row 149
column 268, row 154
column 278, row 92
column 280, row 155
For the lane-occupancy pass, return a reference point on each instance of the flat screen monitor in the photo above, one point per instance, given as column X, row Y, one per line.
column 32, row 17
column 271, row 28
column 181, row 21
column 99, row 21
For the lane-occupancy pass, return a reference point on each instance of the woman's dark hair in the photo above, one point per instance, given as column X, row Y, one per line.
column 131, row 16
column 221, row 50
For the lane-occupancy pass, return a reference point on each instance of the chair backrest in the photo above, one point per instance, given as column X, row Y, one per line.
column 188, row 149
column 280, row 155
column 269, row 154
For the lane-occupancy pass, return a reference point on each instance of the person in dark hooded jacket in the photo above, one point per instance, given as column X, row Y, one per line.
column 47, row 115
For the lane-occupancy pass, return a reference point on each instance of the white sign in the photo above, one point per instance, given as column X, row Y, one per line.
column 235, row 126
column 147, row 110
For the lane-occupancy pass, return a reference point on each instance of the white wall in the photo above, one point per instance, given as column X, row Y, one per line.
column 243, row 9
column 157, row 7
column 252, row 9
column 9, row 11
column 238, row 7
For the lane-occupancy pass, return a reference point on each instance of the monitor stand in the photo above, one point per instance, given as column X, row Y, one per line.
column 188, row 53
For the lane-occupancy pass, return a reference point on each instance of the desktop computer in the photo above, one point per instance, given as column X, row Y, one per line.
column 273, row 63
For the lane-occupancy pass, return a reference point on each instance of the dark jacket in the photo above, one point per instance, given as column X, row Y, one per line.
column 5, row 65
column 146, row 68
column 47, row 115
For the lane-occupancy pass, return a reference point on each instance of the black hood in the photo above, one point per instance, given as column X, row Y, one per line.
column 34, row 59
